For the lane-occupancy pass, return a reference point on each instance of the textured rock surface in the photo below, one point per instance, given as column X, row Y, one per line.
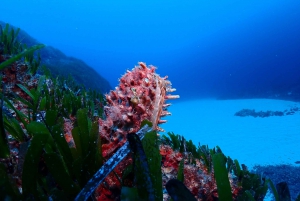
column 280, row 173
column 60, row 64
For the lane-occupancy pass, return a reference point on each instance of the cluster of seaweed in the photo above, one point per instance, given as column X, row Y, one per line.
column 9, row 45
column 251, row 186
column 37, row 162
column 40, row 161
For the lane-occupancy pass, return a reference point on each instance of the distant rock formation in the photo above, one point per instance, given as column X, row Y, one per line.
column 262, row 114
column 60, row 64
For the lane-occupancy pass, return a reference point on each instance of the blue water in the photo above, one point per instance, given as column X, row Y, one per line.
column 208, row 48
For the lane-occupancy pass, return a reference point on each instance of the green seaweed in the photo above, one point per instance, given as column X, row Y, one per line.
column 180, row 173
column 23, row 118
column 4, row 148
column 151, row 147
column 130, row 194
column 175, row 140
column 108, row 167
column 250, row 182
column 30, row 170
column 248, row 196
column 273, row 188
column 11, row 46
column 95, row 159
column 83, row 130
column 35, row 95
column 51, row 168
column 60, row 173
column 12, row 126
column 143, row 180
column 191, row 148
column 221, row 176
column 8, row 38
column 62, row 145
column 178, row 191
column 146, row 167
column 19, row 56
column 8, row 190
column 204, row 153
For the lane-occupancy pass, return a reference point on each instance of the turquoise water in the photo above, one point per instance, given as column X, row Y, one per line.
column 223, row 49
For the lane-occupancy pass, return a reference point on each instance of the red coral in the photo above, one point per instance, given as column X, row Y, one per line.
column 169, row 157
column 140, row 95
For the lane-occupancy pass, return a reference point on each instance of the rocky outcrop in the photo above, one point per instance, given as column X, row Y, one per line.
column 60, row 64
column 269, row 113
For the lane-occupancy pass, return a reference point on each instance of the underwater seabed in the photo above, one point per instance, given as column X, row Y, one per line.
column 266, row 132
column 51, row 146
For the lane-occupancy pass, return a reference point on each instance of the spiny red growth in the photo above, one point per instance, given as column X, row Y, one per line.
column 140, row 95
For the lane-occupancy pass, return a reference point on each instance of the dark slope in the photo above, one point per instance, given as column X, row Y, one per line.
column 60, row 64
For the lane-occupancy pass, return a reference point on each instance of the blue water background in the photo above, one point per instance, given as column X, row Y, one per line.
column 208, row 48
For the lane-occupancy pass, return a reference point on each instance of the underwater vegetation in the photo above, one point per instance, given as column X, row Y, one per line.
column 59, row 141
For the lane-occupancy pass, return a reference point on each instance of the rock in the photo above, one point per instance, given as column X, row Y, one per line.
column 60, row 64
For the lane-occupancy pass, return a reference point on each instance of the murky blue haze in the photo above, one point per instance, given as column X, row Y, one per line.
column 208, row 48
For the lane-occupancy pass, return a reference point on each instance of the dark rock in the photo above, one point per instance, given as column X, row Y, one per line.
column 282, row 173
column 268, row 113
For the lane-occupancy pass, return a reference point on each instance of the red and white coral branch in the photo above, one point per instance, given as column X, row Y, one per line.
column 140, row 95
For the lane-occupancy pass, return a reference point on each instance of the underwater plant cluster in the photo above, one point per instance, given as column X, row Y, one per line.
column 60, row 141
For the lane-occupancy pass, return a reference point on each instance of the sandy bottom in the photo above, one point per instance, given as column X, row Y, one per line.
column 272, row 140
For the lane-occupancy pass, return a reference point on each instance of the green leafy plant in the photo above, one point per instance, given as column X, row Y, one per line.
column 253, row 186
column 221, row 175
column 13, row 48
column 8, row 40
column 19, row 56
column 48, row 149
column 51, row 167
column 151, row 147
column 107, row 167
column 178, row 191
column 143, row 180
column 69, row 167
column 4, row 148
column 180, row 174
